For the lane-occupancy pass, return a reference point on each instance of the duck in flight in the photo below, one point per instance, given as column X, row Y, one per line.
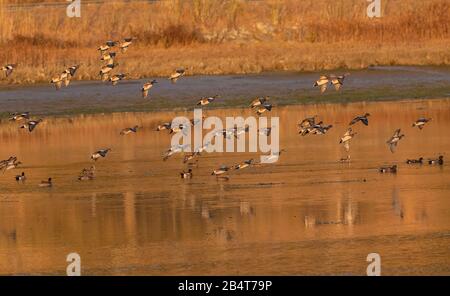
column 164, row 126
column 363, row 118
column 207, row 100
column 263, row 108
column 116, row 78
column 336, row 81
column 259, row 101
column 129, row 130
column 393, row 141
column 108, row 57
column 243, row 164
column 420, row 123
column 177, row 75
column 100, row 153
column 345, row 140
column 146, row 87
column 6, row 162
column 8, row 69
column 126, row 43
column 31, row 125
column 220, row 171
column 19, row 116
column 105, row 70
column 108, row 45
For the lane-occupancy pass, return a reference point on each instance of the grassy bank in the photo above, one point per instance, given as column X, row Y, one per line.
column 223, row 36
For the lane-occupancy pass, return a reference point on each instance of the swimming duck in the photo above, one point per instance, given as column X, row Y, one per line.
column 31, row 125
column 47, row 183
column 87, row 174
column 116, row 78
column 108, row 56
column 146, row 87
column 8, row 69
column 415, row 161
column 364, row 119
column 259, row 101
column 164, row 126
column 20, row 116
column 243, row 165
column 206, row 100
column 21, row 178
column 393, row 141
column 126, row 43
column 439, row 160
column 420, row 123
column 178, row 73
column 346, row 138
column 388, row 169
column 129, row 130
column 100, row 153
column 220, row 171
column 186, row 175
column 104, row 71
column 263, row 108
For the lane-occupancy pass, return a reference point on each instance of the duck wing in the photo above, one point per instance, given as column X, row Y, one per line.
column 392, row 146
column 31, row 126
column 365, row 120
column 347, row 145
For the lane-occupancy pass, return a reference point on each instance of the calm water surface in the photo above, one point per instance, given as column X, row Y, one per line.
column 306, row 214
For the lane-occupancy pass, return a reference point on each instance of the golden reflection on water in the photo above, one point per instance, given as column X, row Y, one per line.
column 306, row 214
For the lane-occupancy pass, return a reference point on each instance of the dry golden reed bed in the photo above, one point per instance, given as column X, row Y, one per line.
column 223, row 36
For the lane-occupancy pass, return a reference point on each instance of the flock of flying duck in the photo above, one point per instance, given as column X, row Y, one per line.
column 308, row 126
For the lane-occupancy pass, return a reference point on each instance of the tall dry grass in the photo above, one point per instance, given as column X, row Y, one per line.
column 224, row 36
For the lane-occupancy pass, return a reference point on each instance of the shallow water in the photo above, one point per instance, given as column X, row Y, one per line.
column 306, row 214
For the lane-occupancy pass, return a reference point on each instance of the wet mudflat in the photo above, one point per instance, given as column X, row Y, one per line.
column 306, row 214
column 82, row 97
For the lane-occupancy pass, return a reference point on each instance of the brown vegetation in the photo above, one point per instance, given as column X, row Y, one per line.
column 223, row 36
